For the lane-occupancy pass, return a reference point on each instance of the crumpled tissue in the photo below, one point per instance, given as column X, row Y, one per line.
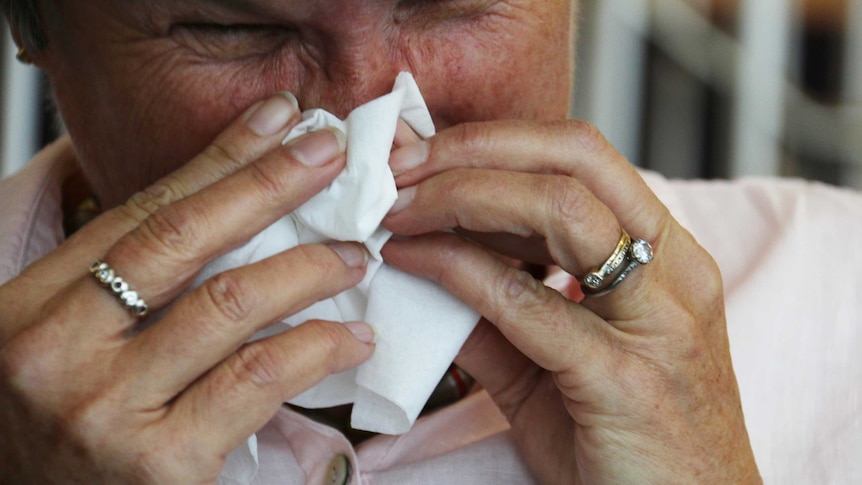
column 419, row 326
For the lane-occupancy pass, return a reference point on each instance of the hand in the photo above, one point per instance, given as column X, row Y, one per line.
column 88, row 395
column 635, row 386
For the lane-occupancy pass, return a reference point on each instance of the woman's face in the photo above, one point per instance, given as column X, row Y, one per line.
column 144, row 85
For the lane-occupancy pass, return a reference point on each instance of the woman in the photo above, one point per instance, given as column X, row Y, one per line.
column 175, row 127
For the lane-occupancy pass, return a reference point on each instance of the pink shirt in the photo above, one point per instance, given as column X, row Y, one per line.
column 792, row 264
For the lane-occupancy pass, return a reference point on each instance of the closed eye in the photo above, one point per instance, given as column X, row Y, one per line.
column 227, row 29
column 231, row 41
column 429, row 11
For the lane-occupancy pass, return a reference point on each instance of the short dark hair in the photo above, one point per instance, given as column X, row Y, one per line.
column 24, row 16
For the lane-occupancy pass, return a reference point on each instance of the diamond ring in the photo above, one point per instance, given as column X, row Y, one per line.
column 595, row 279
column 105, row 275
column 628, row 255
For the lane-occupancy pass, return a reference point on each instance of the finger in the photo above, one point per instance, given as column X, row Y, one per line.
column 240, row 395
column 523, row 391
column 404, row 134
column 540, row 322
column 498, row 366
column 572, row 148
column 164, row 253
column 579, row 230
column 578, row 150
column 211, row 322
column 260, row 129
column 533, row 250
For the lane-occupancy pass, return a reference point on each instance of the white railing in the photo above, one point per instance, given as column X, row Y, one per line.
column 20, row 108
column 770, row 114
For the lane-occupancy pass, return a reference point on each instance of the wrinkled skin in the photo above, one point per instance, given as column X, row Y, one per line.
column 166, row 122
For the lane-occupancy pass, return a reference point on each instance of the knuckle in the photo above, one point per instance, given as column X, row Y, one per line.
column 327, row 346
column 327, row 335
column 85, row 422
column 471, row 137
column 588, row 136
column 712, row 281
column 519, row 286
column 567, row 199
column 703, row 308
column 15, row 366
column 519, row 291
column 259, row 365
column 168, row 231
column 29, row 362
column 228, row 297
column 146, row 202
column 705, row 292
column 228, row 156
column 274, row 184
column 318, row 270
column 449, row 248
column 93, row 421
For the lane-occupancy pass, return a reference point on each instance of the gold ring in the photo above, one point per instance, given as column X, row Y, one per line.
column 595, row 280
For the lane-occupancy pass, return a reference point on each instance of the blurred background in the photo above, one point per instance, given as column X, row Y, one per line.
column 689, row 88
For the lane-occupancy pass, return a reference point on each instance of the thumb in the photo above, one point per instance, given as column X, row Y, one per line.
column 496, row 364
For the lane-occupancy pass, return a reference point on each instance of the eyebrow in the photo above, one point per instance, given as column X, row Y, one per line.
column 250, row 7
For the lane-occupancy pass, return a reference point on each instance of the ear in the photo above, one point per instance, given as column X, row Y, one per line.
column 32, row 45
column 23, row 55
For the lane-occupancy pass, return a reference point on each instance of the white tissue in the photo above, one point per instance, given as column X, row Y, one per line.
column 419, row 326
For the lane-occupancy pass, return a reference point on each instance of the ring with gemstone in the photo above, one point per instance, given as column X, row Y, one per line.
column 596, row 280
column 105, row 275
column 638, row 253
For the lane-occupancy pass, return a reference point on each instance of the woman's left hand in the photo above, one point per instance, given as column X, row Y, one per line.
column 635, row 386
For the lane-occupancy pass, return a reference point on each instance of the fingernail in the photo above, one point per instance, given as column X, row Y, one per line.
column 408, row 157
column 319, row 148
column 405, row 198
column 272, row 116
column 354, row 255
column 362, row 331
column 404, row 134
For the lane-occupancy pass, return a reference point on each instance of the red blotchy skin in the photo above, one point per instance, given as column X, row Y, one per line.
column 140, row 99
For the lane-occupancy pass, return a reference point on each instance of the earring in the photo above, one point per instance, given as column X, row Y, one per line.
column 23, row 57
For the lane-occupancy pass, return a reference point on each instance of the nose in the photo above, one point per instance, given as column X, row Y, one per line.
column 352, row 65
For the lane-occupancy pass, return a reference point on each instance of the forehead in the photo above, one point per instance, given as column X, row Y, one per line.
column 300, row 7
column 155, row 17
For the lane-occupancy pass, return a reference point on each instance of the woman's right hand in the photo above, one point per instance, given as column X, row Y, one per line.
column 86, row 396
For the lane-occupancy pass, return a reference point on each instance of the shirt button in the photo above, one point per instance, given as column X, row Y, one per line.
column 338, row 471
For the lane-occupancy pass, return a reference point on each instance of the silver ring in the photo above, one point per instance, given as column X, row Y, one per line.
column 596, row 279
column 105, row 275
column 636, row 253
